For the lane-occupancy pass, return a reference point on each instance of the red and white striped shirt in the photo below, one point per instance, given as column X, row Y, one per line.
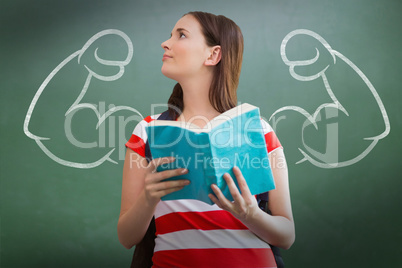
column 191, row 233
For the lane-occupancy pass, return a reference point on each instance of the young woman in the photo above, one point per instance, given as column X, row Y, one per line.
column 204, row 55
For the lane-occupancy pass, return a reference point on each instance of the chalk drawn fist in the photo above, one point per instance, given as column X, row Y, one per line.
column 328, row 62
column 60, row 102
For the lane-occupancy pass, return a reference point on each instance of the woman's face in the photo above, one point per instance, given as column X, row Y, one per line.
column 186, row 51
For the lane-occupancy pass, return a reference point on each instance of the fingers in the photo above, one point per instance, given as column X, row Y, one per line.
column 234, row 191
column 162, row 175
column 220, row 200
column 241, row 181
column 155, row 186
column 165, row 185
column 241, row 194
column 159, row 161
column 216, row 190
column 155, row 189
column 164, row 188
column 158, row 183
column 244, row 205
column 237, row 193
column 159, row 176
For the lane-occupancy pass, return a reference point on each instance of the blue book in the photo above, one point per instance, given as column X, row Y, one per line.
column 234, row 138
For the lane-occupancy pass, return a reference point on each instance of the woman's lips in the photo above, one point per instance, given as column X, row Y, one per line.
column 165, row 56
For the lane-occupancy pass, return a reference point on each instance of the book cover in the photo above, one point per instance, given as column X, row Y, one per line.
column 234, row 138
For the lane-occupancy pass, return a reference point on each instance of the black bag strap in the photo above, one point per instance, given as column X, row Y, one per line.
column 164, row 116
column 144, row 251
column 262, row 200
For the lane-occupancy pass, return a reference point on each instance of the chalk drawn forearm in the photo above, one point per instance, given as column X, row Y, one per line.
column 78, row 104
column 328, row 159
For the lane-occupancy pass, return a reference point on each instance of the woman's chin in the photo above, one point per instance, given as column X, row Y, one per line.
column 169, row 74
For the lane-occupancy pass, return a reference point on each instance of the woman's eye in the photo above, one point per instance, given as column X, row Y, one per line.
column 182, row 35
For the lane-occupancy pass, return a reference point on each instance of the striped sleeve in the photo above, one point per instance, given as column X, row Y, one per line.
column 139, row 137
column 271, row 139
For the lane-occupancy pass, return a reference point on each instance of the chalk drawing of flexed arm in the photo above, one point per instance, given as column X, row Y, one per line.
column 308, row 153
column 118, row 66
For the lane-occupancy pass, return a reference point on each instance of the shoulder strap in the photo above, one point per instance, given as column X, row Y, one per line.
column 262, row 200
column 142, row 257
column 164, row 116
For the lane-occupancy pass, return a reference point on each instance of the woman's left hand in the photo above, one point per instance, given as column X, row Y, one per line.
column 244, row 205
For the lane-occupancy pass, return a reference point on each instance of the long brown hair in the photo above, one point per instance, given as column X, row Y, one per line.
column 217, row 30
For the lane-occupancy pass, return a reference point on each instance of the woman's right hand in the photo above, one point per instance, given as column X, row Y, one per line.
column 155, row 185
column 142, row 189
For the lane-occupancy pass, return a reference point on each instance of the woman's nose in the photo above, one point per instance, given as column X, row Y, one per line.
column 165, row 45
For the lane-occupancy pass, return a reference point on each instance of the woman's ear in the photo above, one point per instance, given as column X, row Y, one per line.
column 214, row 57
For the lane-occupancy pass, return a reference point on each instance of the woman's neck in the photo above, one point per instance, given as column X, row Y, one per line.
column 197, row 107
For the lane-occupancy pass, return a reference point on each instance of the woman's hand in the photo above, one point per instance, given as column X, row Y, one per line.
column 142, row 189
column 276, row 229
column 244, row 205
column 155, row 186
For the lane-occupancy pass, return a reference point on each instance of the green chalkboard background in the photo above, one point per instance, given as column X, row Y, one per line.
column 59, row 214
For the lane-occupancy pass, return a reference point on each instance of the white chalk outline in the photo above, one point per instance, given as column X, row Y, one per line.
column 77, row 103
column 336, row 104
